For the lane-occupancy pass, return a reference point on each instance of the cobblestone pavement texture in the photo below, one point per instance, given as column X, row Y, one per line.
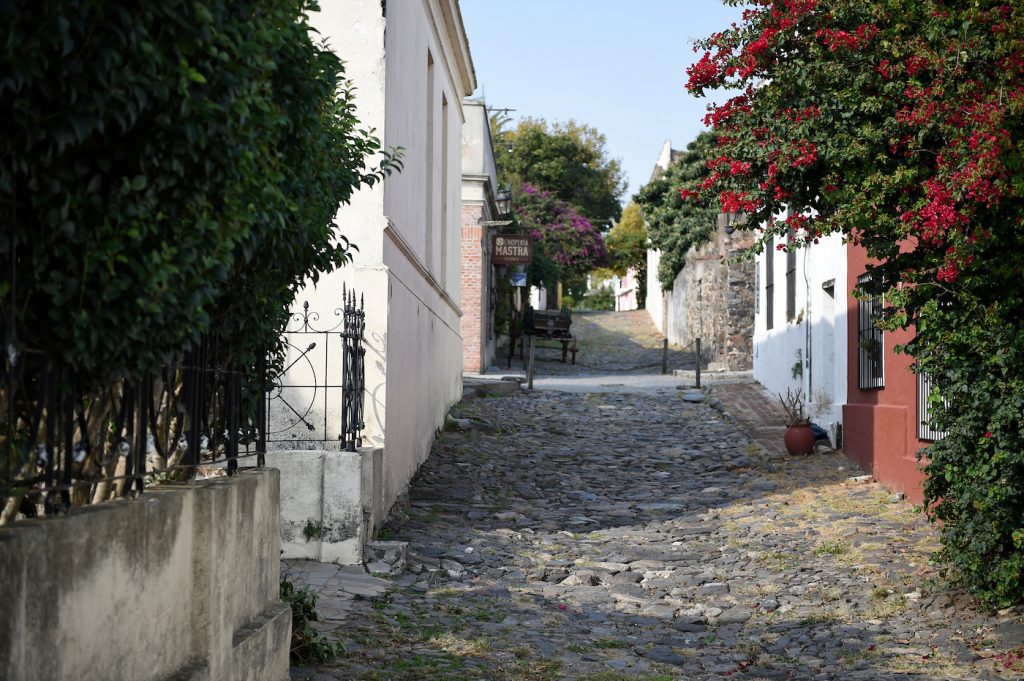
column 605, row 536
column 609, row 343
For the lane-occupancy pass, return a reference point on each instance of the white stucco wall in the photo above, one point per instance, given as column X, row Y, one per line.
column 407, row 228
column 820, row 319
column 423, row 242
column 479, row 171
column 655, row 302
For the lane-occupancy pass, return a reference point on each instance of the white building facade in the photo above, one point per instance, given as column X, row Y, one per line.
column 654, row 301
column 625, row 290
column 411, row 68
column 800, row 332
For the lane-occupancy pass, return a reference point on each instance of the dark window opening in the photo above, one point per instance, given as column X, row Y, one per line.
column 790, row 280
column 870, row 364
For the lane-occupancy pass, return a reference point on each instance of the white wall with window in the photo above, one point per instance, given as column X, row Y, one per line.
column 800, row 324
column 411, row 68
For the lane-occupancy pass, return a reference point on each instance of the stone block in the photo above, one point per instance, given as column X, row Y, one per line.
column 331, row 502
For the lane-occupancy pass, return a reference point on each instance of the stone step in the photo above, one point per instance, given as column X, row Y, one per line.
column 386, row 557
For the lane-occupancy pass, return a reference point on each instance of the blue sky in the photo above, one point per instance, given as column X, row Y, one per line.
column 618, row 66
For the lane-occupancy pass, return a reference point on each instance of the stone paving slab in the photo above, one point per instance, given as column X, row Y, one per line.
column 612, row 536
column 757, row 410
column 336, row 588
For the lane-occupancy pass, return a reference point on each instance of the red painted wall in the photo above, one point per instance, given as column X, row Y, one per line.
column 880, row 424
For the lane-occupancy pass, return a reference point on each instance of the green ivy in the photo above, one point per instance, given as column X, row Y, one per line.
column 675, row 226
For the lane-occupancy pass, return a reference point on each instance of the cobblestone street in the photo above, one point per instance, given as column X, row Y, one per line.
column 607, row 536
column 609, row 343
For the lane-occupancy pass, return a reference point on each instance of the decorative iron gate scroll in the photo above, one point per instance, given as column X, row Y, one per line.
column 319, row 397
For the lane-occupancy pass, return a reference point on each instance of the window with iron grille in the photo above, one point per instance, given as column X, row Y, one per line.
column 925, row 411
column 871, row 369
column 769, row 283
column 790, row 280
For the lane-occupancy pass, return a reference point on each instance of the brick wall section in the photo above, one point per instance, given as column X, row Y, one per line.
column 473, row 282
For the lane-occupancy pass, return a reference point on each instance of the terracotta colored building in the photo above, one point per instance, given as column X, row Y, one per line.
column 885, row 417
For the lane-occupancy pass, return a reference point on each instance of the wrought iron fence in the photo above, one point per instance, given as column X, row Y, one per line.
column 319, row 397
column 62, row 446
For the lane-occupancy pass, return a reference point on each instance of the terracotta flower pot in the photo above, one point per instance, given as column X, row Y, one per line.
column 799, row 439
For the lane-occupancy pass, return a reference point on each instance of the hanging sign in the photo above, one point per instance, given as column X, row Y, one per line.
column 512, row 249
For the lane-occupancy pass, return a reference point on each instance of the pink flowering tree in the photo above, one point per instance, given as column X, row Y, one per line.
column 898, row 124
column 566, row 245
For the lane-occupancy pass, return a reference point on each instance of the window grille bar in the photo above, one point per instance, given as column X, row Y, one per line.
column 870, row 344
column 924, row 411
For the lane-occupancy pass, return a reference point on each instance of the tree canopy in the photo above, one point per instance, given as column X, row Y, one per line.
column 566, row 245
column 674, row 226
column 567, row 159
column 898, row 123
column 627, row 246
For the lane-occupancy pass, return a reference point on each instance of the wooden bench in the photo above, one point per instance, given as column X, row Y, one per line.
column 553, row 325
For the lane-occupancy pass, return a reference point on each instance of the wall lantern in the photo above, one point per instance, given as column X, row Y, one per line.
column 729, row 220
column 503, row 202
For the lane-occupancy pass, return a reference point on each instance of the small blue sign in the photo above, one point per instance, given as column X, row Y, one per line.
column 517, row 279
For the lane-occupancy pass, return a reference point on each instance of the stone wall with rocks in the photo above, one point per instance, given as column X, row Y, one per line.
column 714, row 299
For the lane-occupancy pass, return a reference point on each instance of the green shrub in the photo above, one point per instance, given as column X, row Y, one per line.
column 167, row 168
column 975, row 483
column 308, row 645
column 568, row 303
column 601, row 298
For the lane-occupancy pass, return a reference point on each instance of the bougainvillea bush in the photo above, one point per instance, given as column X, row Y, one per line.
column 566, row 245
column 898, row 123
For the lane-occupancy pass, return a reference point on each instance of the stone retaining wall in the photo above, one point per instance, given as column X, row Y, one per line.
column 714, row 299
column 181, row 583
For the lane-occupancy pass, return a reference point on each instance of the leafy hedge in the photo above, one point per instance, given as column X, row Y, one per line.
column 166, row 167
column 974, row 351
column 675, row 226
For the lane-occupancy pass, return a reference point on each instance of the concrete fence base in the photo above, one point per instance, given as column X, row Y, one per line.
column 331, row 502
column 181, row 583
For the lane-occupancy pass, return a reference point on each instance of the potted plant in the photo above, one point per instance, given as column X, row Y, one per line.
column 799, row 438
